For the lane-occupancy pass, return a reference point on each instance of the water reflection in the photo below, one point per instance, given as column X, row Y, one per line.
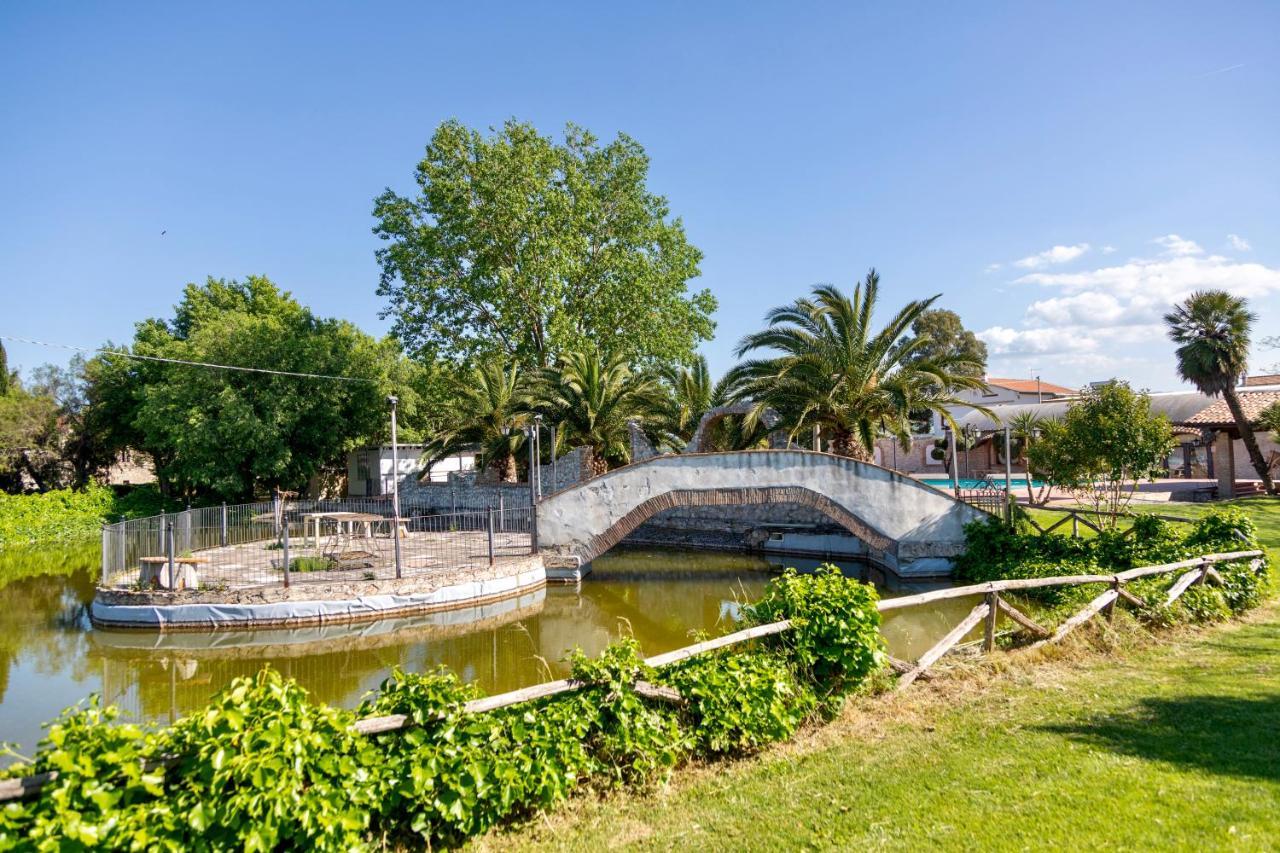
column 50, row 657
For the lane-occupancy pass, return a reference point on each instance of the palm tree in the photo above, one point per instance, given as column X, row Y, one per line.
column 491, row 405
column 690, row 395
column 1024, row 428
column 840, row 374
column 594, row 398
column 1211, row 329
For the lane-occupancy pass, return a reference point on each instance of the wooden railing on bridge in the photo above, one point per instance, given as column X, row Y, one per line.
column 1198, row 570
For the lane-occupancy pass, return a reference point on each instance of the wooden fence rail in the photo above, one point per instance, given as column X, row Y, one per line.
column 1200, row 569
column 1078, row 517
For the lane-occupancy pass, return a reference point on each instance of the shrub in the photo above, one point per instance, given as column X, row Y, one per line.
column 995, row 552
column 633, row 739
column 312, row 564
column 740, row 702
column 61, row 515
column 451, row 775
column 835, row 637
column 265, row 768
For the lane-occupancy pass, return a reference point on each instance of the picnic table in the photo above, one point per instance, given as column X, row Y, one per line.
column 155, row 572
column 347, row 521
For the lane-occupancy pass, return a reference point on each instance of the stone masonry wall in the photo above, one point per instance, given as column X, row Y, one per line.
column 463, row 493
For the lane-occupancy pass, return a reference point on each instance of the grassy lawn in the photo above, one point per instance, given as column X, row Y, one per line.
column 1166, row 743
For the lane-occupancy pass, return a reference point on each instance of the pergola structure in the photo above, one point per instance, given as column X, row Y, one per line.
column 1216, row 420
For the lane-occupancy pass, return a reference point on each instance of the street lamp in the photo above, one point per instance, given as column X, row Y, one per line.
column 395, row 479
column 537, row 449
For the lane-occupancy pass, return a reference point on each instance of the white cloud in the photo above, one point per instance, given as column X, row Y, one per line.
column 1110, row 318
column 992, row 267
column 1238, row 243
column 1177, row 246
column 1107, row 250
column 1056, row 255
column 1002, row 340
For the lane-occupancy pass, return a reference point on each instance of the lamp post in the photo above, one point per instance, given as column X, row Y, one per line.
column 395, row 481
column 537, row 451
column 955, row 462
column 533, row 492
column 1008, row 475
column 555, row 480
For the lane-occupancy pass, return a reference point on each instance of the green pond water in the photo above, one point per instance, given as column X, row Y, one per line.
column 51, row 657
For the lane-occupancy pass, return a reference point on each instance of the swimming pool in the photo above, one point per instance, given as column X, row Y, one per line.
column 967, row 483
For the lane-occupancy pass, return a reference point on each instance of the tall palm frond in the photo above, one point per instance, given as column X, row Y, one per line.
column 837, row 372
column 491, row 407
column 593, row 398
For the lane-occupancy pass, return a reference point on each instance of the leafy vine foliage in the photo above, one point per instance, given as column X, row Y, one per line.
column 264, row 768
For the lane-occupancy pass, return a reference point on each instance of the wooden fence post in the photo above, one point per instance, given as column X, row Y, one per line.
column 989, row 639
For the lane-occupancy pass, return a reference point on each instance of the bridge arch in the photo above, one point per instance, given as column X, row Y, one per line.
column 912, row 528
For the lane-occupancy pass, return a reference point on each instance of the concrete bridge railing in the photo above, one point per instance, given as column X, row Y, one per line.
column 910, row 527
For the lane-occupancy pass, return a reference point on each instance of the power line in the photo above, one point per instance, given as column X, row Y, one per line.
column 121, row 353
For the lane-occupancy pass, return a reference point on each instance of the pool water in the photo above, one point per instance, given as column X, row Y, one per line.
column 970, row 483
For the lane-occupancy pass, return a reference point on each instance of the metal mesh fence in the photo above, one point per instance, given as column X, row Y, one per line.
column 286, row 543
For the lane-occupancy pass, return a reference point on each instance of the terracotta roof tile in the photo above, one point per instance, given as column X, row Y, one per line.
column 1028, row 386
column 1218, row 415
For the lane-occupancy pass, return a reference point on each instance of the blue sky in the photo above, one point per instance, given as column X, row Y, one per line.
column 1059, row 173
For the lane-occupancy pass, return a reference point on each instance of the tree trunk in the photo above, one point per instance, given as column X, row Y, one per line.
column 507, row 469
column 598, row 464
column 845, row 444
column 1249, row 439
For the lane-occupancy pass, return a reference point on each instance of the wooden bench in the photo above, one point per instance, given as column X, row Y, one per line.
column 154, row 572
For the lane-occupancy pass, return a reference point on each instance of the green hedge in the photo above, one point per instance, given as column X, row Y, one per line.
column 66, row 516
column 263, row 767
column 996, row 552
column 62, row 515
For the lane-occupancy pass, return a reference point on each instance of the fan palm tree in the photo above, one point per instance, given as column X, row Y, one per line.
column 1211, row 329
column 491, row 406
column 593, row 398
column 842, row 375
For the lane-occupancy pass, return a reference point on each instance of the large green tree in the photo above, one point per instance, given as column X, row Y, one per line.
column 518, row 245
column 942, row 335
column 237, row 433
column 30, row 441
column 838, row 372
column 1106, row 442
column 5, row 377
column 1211, row 329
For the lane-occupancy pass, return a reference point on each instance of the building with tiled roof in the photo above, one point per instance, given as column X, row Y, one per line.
column 1218, row 416
column 1262, row 379
column 1031, row 386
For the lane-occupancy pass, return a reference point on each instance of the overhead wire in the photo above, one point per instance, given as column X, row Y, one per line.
column 211, row 365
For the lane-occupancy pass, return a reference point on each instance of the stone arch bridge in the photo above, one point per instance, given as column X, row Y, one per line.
column 909, row 527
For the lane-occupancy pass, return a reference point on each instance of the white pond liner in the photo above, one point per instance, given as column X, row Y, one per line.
column 345, row 610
